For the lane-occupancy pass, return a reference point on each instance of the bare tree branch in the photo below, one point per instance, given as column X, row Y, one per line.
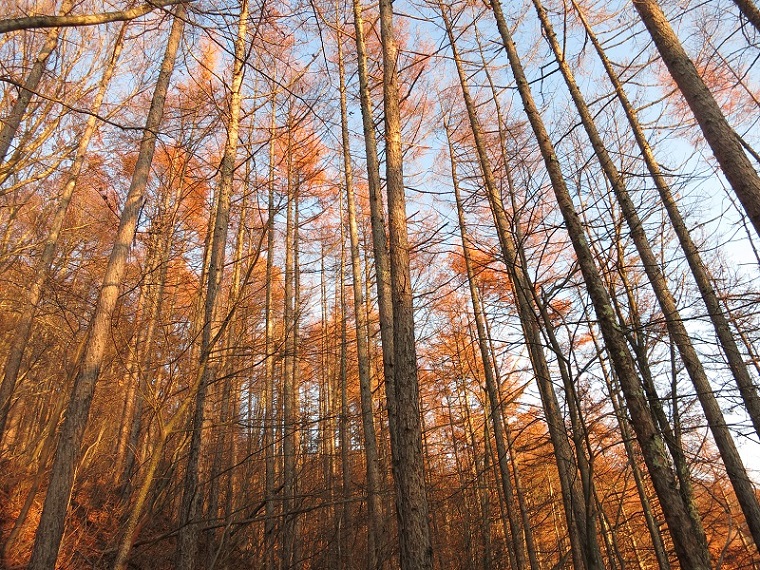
column 44, row 21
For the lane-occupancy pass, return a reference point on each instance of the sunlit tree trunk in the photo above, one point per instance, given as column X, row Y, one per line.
column 13, row 120
column 723, row 140
column 24, row 325
column 379, row 237
column 50, row 530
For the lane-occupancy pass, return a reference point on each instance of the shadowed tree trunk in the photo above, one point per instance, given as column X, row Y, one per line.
column 699, row 270
column 684, row 528
column 735, row 469
column 374, row 508
column 406, row 445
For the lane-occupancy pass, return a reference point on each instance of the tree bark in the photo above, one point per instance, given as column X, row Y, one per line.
column 692, row 551
column 187, row 544
column 725, row 143
column 750, row 11
column 735, row 469
column 71, row 20
column 698, row 268
column 50, row 530
column 581, row 531
column 492, row 390
column 408, row 468
column 374, row 508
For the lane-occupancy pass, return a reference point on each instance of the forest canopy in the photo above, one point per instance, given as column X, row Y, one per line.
column 410, row 284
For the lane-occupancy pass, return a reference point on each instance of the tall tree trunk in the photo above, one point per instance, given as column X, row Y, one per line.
column 492, row 390
column 627, row 438
column 698, row 268
column 685, row 530
column 187, row 544
column 725, row 143
column 735, row 469
column 379, row 237
column 289, row 398
column 270, row 437
column 23, row 327
column 344, row 521
column 408, row 468
column 374, row 508
column 585, row 550
column 50, row 530
column 150, row 302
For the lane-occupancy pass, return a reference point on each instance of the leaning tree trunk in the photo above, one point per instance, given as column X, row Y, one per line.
column 29, row 88
column 725, row 143
column 685, row 530
column 698, row 268
column 492, row 390
column 750, row 11
column 50, row 530
column 735, row 469
column 23, row 327
column 582, row 535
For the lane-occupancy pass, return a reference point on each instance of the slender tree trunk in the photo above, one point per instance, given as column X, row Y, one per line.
column 23, row 327
column 187, row 545
column 270, row 437
column 492, row 390
column 150, row 302
column 374, row 508
column 289, row 438
column 13, row 120
column 685, row 530
column 50, row 530
column 725, row 143
column 408, row 468
column 735, row 469
column 344, row 521
column 622, row 420
column 699, row 270
column 584, row 548
column 379, row 238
